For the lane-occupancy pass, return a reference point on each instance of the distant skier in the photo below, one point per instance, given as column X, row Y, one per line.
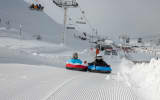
column 32, row 6
column 84, row 34
column 97, row 51
column 40, row 7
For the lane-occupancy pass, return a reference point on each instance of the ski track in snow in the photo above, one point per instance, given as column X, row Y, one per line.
column 60, row 84
column 92, row 87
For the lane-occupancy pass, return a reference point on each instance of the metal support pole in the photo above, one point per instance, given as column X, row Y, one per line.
column 20, row 31
column 65, row 22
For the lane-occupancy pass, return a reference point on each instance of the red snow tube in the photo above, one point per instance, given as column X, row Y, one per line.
column 80, row 67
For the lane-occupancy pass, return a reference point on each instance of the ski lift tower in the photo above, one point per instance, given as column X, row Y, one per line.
column 65, row 4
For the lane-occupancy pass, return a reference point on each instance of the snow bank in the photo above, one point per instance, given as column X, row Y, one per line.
column 144, row 77
column 30, row 46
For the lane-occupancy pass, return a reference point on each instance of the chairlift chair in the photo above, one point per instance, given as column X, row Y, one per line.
column 70, row 28
column 80, row 22
column 38, row 7
column 67, row 3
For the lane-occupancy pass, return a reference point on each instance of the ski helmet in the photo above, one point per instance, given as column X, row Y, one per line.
column 99, row 56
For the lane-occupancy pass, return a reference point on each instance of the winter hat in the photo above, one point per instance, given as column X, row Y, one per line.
column 75, row 55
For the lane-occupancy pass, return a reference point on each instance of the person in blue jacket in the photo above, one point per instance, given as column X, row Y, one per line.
column 75, row 59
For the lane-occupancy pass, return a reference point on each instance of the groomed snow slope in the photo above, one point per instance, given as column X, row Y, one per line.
column 28, row 82
column 35, row 82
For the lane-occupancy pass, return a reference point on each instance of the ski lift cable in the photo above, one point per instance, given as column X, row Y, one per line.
column 74, row 24
column 83, row 14
column 92, row 29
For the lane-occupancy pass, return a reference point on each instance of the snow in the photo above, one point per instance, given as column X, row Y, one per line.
column 33, row 22
column 108, row 42
column 144, row 77
column 30, row 82
column 38, row 66
column 51, row 10
column 33, row 52
column 24, row 66
column 29, row 44
column 33, row 69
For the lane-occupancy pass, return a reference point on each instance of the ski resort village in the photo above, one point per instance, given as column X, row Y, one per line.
column 79, row 50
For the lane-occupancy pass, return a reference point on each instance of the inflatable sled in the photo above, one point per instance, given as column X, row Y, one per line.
column 101, row 69
column 76, row 64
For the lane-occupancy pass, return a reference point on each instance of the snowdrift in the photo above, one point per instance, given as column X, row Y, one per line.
column 144, row 77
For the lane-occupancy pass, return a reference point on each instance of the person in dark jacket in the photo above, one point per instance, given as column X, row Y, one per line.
column 32, row 6
column 99, row 62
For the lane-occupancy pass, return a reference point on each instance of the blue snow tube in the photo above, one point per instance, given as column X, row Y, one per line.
column 105, row 69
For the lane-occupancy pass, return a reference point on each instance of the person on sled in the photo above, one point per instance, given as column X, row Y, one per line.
column 75, row 63
column 99, row 61
column 75, row 59
column 75, row 55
